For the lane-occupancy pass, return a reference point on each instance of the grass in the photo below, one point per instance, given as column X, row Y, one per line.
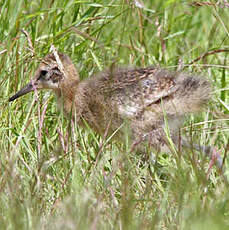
column 54, row 175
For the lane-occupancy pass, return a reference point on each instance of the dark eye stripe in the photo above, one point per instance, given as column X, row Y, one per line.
column 56, row 69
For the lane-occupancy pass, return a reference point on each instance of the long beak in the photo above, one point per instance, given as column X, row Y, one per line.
column 28, row 88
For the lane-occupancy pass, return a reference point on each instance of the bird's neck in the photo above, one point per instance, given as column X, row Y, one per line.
column 66, row 95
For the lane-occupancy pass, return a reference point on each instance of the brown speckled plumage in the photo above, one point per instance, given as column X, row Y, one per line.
column 128, row 100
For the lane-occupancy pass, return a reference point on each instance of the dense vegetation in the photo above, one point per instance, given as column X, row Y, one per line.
column 54, row 175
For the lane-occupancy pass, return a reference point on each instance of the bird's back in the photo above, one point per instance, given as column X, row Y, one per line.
column 142, row 98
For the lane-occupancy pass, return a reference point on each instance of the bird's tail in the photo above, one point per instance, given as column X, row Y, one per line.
column 192, row 94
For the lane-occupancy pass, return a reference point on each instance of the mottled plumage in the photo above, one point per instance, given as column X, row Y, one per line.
column 128, row 100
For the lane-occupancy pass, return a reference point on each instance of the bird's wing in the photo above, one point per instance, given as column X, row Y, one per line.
column 138, row 90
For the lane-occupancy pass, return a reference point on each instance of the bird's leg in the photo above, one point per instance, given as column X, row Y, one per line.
column 208, row 151
column 149, row 145
column 213, row 154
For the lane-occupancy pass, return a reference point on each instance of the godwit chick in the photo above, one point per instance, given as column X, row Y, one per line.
column 135, row 101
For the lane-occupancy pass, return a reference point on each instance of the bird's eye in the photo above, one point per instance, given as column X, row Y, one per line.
column 43, row 73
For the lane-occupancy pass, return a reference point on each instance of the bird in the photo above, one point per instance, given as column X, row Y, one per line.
column 134, row 101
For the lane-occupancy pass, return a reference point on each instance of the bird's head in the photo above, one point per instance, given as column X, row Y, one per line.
column 55, row 71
